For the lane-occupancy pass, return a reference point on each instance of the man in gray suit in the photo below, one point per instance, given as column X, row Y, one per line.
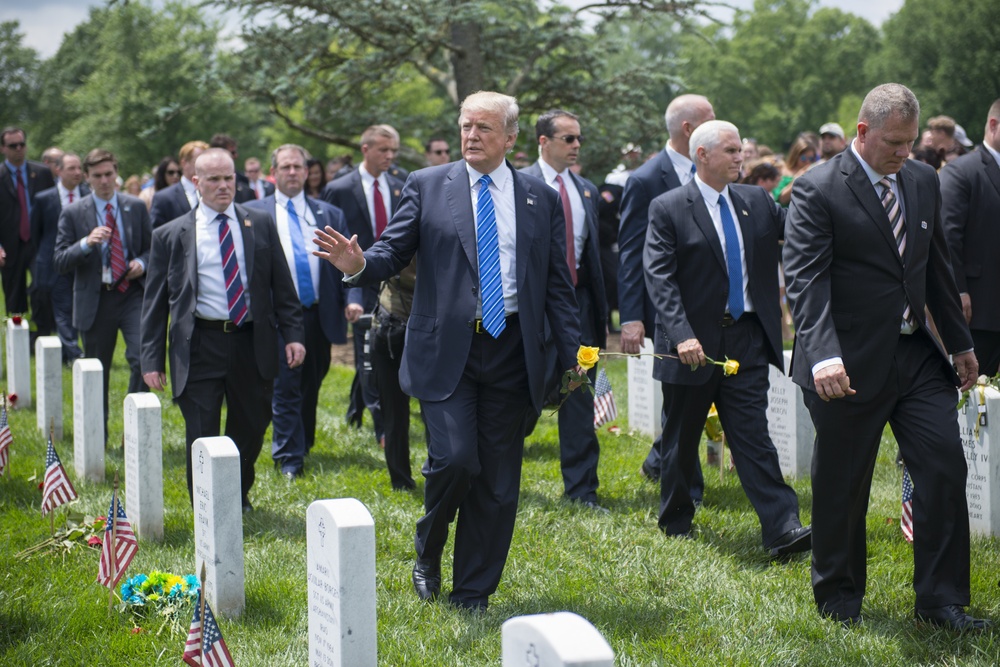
column 219, row 273
column 104, row 239
column 491, row 267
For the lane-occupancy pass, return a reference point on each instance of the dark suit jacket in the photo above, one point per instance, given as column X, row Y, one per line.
column 75, row 222
column 169, row 204
column 435, row 216
column 44, row 227
column 970, row 212
column 332, row 292
column 687, row 278
column 172, row 289
column 39, row 179
column 846, row 281
column 591, row 252
column 348, row 195
column 645, row 184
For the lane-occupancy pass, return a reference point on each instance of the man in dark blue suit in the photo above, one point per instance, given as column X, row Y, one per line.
column 52, row 292
column 711, row 262
column 491, row 268
column 320, row 288
column 559, row 139
column 670, row 169
column 174, row 201
column 368, row 197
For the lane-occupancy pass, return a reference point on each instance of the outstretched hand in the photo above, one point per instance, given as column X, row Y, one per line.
column 343, row 253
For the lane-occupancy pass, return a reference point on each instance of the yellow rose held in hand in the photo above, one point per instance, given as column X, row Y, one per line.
column 731, row 367
column 587, row 357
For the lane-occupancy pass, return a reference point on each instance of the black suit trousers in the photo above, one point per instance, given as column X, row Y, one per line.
column 741, row 401
column 918, row 401
column 387, row 350
column 223, row 365
column 473, row 464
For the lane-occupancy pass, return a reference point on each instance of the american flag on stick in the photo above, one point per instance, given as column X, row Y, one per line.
column 906, row 517
column 205, row 646
column 119, row 545
column 5, row 439
column 56, row 489
column 605, row 409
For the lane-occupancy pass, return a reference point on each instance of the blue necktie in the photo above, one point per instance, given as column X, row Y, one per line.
column 307, row 295
column 733, row 263
column 231, row 271
column 490, row 286
column 694, row 170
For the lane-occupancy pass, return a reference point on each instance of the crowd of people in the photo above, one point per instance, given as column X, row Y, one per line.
column 470, row 285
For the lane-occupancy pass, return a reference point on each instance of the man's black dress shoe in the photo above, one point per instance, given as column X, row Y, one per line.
column 953, row 617
column 247, row 507
column 473, row 607
column 427, row 578
column 844, row 619
column 649, row 473
column 794, row 541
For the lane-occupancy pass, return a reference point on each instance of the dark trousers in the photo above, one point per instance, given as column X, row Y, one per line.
column 296, row 394
column 116, row 311
column 364, row 394
column 62, row 311
column 223, row 366
column 387, row 353
column 473, row 465
column 14, row 275
column 918, row 401
column 741, row 400
column 987, row 350
column 41, row 308
column 654, row 457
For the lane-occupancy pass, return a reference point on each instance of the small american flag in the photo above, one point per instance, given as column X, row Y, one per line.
column 124, row 546
column 906, row 520
column 56, row 489
column 605, row 409
column 215, row 650
column 5, row 440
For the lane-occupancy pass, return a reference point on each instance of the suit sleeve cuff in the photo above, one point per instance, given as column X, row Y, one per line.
column 84, row 246
column 820, row 365
column 352, row 280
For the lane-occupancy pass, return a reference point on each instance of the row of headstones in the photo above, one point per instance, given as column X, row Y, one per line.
column 340, row 546
column 791, row 430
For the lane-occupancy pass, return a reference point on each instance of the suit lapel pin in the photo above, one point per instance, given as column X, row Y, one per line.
column 745, row 214
column 923, row 224
column 246, row 222
column 586, row 194
column 531, row 202
column 395, row 193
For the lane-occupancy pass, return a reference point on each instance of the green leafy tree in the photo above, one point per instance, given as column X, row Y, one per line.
column 783, row 68
column 18, row 79
column 946, row 52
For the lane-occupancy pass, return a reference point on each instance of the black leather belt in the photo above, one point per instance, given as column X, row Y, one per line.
column 728, row 321
column 225, row 326
column 477, row 324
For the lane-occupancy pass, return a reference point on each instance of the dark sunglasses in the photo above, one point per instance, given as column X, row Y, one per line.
column 173, row 172
column 570, row 138
column 443, row 151
column 16, row 146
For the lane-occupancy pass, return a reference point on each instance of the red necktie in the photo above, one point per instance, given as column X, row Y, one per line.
column 570, row 237
column 380, row 219
column 117, row 254
column 22, row 202
column 71, row 198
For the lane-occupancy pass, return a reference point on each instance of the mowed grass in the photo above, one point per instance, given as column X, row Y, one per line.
column 716, row 600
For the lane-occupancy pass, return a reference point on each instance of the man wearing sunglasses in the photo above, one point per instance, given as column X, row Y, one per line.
column 20, row 180
column 559, row 141
column 437, row 152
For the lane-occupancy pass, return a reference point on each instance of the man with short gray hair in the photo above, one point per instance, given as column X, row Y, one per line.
column 865, row 253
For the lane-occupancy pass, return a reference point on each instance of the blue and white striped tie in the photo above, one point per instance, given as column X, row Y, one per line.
column 490, row 286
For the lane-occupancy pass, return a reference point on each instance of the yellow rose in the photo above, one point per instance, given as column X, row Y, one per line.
column 731, row 367
column 587, row 357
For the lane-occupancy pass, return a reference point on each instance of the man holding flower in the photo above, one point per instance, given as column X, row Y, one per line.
column 711, row 261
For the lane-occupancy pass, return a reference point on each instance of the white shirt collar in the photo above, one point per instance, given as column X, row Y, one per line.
column 549, row 173
column 873, row 175
column 500, row 176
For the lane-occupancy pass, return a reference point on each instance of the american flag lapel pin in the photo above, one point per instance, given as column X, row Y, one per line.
column 745, row 214
column 923, row 224
column 395, row 193
column 586, row 194
column 246, row 222
column 531, row 201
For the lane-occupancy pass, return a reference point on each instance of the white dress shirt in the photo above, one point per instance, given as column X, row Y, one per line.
column 682, row 165
column 307, row 228
column 711, row 196
column 212, row 302
column 64, row 194
column 575, row 203
column 190, row 191
column 368, row 185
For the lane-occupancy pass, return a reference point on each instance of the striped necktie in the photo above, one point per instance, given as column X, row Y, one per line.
column 231, row 270
column 117, row 251
column 490, row 286
column 898, row 226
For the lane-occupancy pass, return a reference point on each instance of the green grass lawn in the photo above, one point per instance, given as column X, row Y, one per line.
column 716, row 600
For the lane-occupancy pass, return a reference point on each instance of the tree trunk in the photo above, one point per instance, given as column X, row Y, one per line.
column 467, row 58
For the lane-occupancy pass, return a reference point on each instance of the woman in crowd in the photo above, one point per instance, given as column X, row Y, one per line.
column 801, row 155
column 316, row 178
column 166, row 174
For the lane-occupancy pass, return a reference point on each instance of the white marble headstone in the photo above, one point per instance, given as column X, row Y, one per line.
column 979, row 426
column 19, row 363
column 218, row 523
column 144, row 464
column 88, row 419
column 645, row 397
column 788, row 422
column 562, row 639
column 48, row 384
column 340, row 541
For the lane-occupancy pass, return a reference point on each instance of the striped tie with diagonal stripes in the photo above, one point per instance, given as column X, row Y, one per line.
column 231, row 271
column 897, row 225
column 490, row 286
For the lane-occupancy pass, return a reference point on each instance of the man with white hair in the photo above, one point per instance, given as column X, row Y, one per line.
column 490, row 245
column 711, row 262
